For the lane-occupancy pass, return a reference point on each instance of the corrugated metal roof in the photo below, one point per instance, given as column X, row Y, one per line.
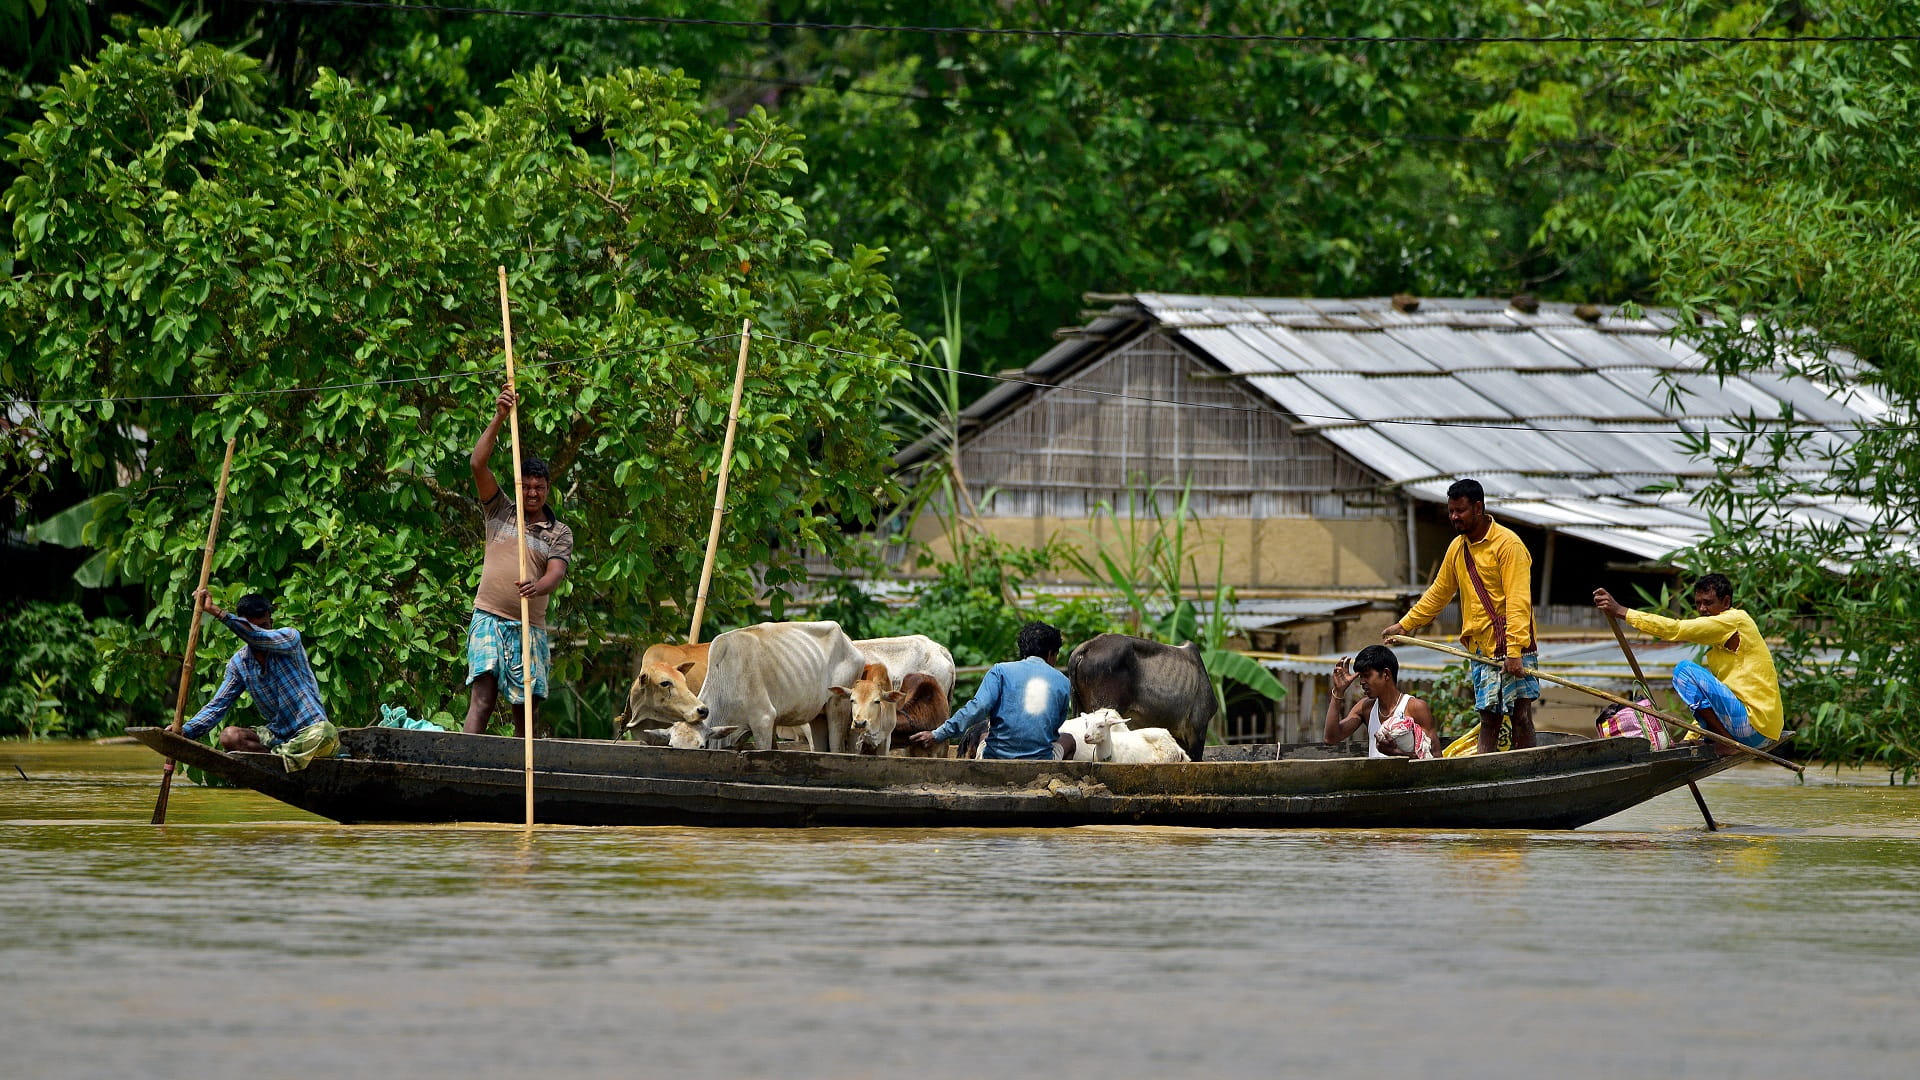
column 1565, row 421
column 1258, row 614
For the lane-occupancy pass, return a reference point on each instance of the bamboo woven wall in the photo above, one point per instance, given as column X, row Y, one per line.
column 1062, row 452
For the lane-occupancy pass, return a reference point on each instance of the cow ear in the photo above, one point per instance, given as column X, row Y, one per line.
column 895, row 696
column 685, row 667
column 838, row 691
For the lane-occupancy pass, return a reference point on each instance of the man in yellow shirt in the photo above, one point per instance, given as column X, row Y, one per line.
column 1737, row 693
column 1491, row 571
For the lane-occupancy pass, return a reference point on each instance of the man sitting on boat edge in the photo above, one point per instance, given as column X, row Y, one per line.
column 1377, row 670
column 1737, row 692
column 271, row 664
column 1025, row 700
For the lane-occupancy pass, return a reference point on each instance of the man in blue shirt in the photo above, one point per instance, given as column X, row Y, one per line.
column 271, row 664
column 1025, row 699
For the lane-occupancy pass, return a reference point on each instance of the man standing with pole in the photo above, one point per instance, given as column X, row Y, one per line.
column 523, row 565
column 1496, row 613
column 493, row 635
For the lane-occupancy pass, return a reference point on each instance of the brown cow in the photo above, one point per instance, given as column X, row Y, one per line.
column 664, row 691
column 871, row 710
column 922, row 707
column 675, row 655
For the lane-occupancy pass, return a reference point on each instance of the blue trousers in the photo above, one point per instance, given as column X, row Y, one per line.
column 1701, row 690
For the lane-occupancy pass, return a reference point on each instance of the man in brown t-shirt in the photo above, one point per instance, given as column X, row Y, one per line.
column 493, row 635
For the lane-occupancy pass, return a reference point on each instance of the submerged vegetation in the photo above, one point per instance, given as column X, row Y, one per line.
column 49, row 655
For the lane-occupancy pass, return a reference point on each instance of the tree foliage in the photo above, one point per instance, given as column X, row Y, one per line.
column 48, row 653
column 1038, row 169
column 323, row 287
column 1041, row 169
column 1770, row 195
column 171, row 232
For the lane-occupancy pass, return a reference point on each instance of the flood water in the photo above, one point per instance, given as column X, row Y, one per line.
column 246, row 939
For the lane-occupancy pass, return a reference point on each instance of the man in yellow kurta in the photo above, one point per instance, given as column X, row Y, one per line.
column 1737, row 693
column 1491, row 571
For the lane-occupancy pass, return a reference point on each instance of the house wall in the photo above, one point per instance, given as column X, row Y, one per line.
column 1258, row 553
column 1280, row 508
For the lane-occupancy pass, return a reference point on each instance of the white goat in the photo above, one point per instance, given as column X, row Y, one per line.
column 1113, row 741
column 1080, row 726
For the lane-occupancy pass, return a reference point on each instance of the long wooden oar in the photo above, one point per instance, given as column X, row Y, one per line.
column 720, row 491
column 1401, row 639
column 193, row 632
column 1641, row 677
column 520, row 535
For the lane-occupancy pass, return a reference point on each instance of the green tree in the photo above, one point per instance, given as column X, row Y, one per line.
column 1040, row 169
column 48, row 653
column 1770, row 194
column 179, row 272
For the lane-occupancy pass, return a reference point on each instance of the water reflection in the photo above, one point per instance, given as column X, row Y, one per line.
column 1641, row 946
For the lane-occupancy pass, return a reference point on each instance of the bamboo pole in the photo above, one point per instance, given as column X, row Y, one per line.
column 720, row 492
column 1634, row 663
column 193, row 632
column 520, row 533
column 1401, row 639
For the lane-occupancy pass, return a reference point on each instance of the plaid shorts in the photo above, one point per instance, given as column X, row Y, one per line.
column 1487, row 688
column 319, row 739
column 493, row 648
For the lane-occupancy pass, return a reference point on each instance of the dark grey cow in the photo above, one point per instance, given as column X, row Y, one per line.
column 1151, row 684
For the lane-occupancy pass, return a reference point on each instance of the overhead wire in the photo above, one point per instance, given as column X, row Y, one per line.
column 1071, row 33
column 283, row 390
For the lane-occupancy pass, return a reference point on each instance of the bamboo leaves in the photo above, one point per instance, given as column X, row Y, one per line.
column 1772, row 194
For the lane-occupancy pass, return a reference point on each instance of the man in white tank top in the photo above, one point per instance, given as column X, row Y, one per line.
column 1377, row 671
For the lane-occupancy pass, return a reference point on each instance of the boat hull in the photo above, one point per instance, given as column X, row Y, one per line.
column 398, row 776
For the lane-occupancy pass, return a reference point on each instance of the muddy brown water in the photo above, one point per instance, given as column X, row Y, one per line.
column 247, row 939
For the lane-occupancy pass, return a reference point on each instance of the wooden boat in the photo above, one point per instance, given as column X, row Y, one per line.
column 394, row 775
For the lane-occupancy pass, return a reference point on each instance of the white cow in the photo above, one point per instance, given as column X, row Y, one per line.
column 905, row 655
column 779, row 674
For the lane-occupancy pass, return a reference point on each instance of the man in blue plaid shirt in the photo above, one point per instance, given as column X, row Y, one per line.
column 272, row 666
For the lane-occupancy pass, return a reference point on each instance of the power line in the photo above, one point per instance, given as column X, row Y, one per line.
column 280, row 390
column 1237, row 124
column 1065, row 33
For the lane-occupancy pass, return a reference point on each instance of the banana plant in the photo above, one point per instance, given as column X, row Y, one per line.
column 1183, row 623
column 1148, row 564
